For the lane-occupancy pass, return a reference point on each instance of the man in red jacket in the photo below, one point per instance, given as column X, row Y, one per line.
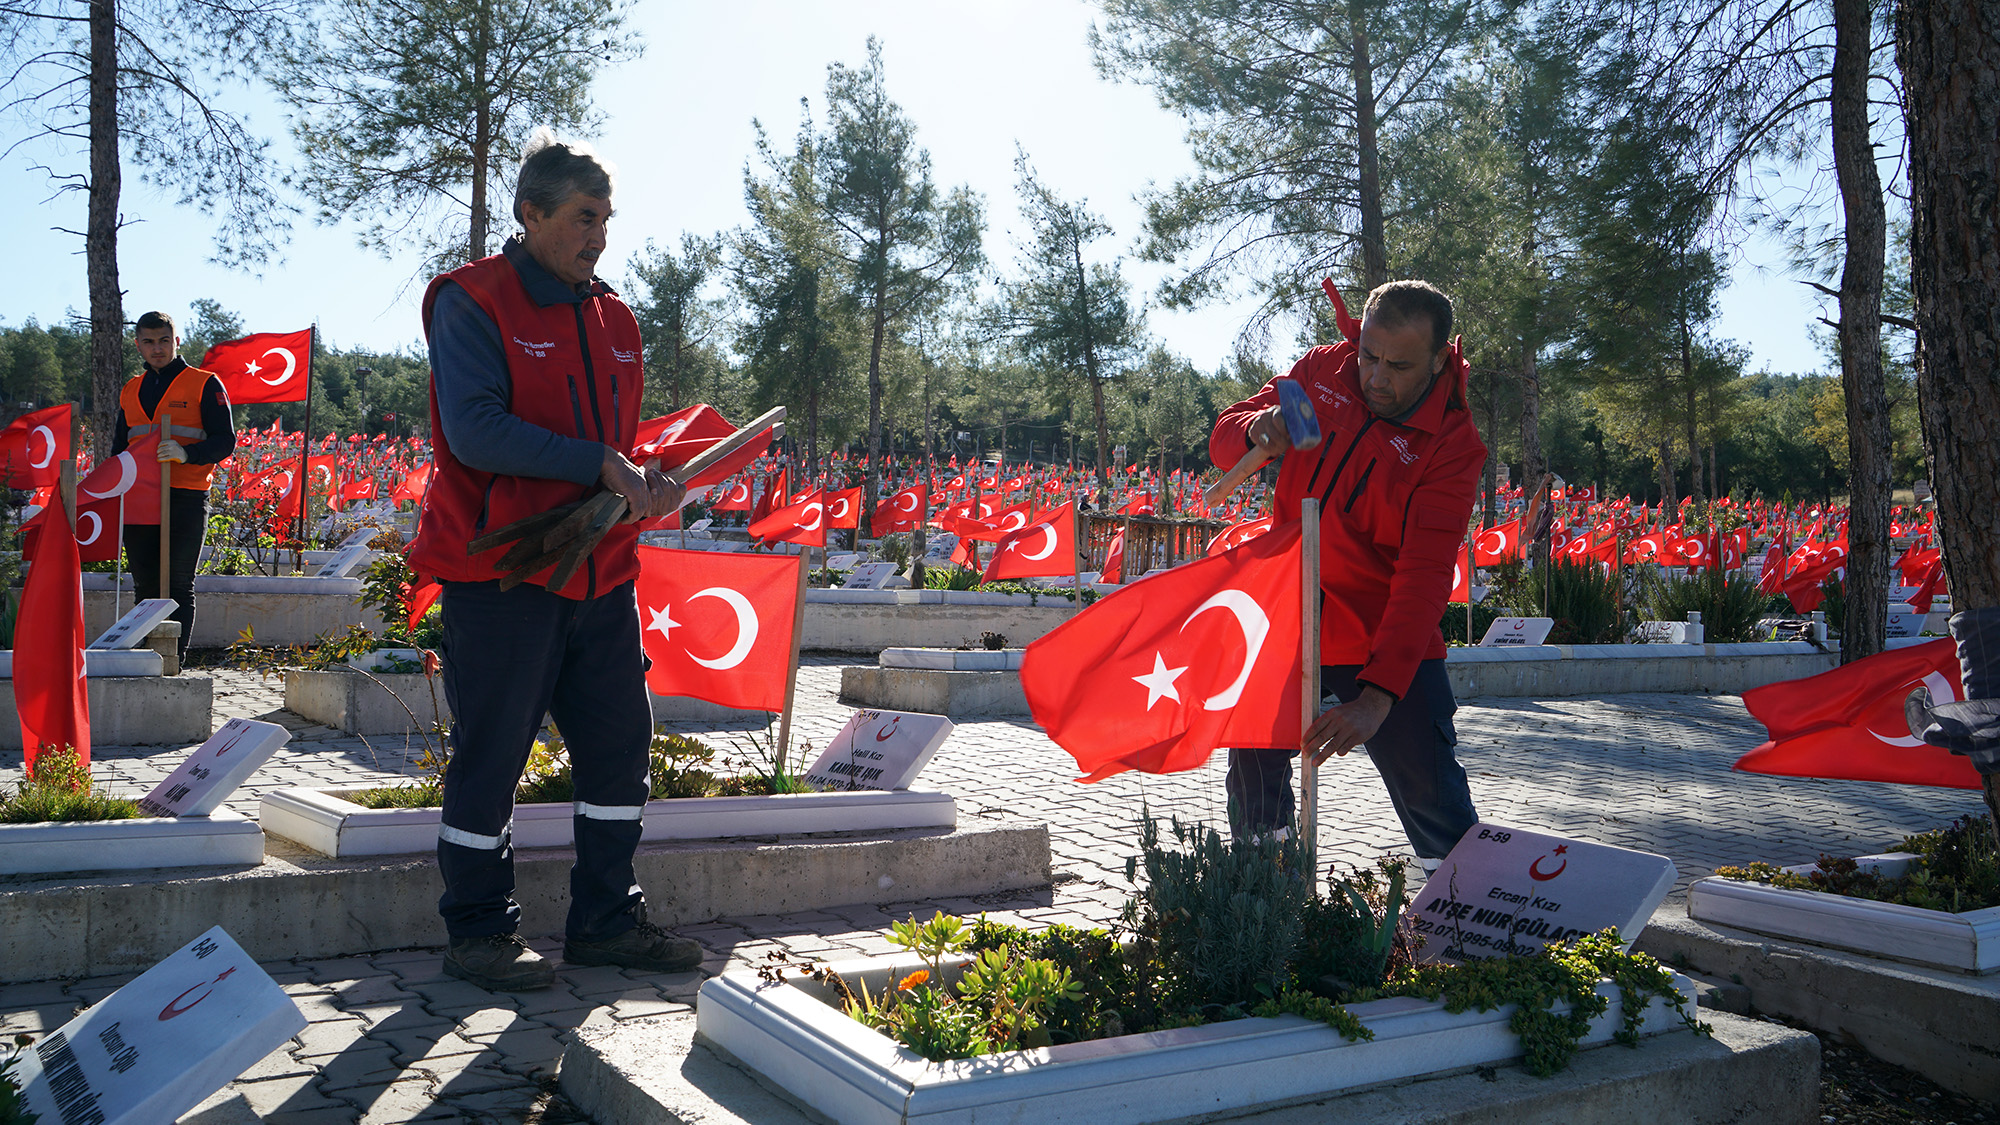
column 535, row 388
column 1395, row 476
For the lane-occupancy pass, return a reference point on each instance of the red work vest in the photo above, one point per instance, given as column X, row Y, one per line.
column 179, row 409
column 574, row 369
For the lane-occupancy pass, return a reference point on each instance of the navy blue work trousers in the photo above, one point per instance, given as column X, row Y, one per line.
column 1412, row 751
column 511, row 657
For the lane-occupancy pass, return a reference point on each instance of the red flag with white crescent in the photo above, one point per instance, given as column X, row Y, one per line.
column 843, row 509
column 51, row 692
column 134, row 475
column 98, row 534
column 737, row 498
column 718, row 626
column 802, row 521
column 413, row 486
column 1158, row 675
column 904, row 511
column 677, row 438
column 263, row 366
column 1237, row 534
column 1849, row 723
column 1045, row 548
column 33, row 448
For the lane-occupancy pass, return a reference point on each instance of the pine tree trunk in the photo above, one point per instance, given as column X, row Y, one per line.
column 482, row 141
column 1866, row 628
column 1374, row 247
column 879, row 334
column 107, row 300
column 1531, row 414
column 1949, row 51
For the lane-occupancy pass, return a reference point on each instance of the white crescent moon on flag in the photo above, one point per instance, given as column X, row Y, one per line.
column 840, row 512
column 1022, row 522
column 1942, row 691
column 740, row 492
column 819, row 511
column 291, row 364
column 911, row 497
column 96, row 528
column 44, row 462
column 746, row 628
column 1050, row 531
column 1255, row 625
column 674, row 431
column 128, row 474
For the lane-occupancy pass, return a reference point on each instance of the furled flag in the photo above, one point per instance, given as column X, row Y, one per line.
column 677, row 438
column 802, row 521
column 50, row 689
column 843, row 509
column 98, row 535
column 904, row 511
column 1156, row 676
column 263, row 366
column 1849, row 723
column 1043, row 549
column 719, row 626
column 33, row 448
column 1114, row 561
column 133, row 474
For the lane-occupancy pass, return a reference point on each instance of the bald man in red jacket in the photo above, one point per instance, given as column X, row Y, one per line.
column 1395, row 476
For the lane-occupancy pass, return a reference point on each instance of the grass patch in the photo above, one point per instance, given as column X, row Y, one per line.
column 59, row 788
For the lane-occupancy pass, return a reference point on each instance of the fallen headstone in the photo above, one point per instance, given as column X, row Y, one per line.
column 131, row 630
column 879, row 750
column 215, row 769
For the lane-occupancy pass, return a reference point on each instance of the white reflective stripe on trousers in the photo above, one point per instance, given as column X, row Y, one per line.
column 466, row 839
column 610, row 812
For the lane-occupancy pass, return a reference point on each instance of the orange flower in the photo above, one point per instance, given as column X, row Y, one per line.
column 913, row 980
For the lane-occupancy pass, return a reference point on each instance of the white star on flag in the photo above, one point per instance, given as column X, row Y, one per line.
column 252, row 369
column 1160, row 682
column 664, row 622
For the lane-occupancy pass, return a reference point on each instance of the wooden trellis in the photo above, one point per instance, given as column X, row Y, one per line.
column 1150, row 541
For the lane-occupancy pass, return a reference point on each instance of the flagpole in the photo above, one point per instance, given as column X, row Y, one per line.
column 163, row 427
column 305, row 454
column 1076, row 543
column 792, row 673
column 1308, row 683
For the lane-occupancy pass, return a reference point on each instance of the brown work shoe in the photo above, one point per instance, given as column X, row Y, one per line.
column 645, row 947
column 498, row 963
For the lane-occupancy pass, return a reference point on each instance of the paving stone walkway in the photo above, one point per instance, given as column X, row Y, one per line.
column 391, row 1039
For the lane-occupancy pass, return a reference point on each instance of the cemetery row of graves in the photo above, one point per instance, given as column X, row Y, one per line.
column 1525, row 948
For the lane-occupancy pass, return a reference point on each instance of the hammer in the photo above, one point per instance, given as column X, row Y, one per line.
column 1301, row 425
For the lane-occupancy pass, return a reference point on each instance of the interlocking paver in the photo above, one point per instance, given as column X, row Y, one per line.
column 392, row 1038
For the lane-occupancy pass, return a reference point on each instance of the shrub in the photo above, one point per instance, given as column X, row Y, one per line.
column 59, row 788
column 1581, row 598
column 1729, row 604
column 1483, row 614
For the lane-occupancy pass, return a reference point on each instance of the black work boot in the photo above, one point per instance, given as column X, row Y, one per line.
column 645, row 946
column 498, row 963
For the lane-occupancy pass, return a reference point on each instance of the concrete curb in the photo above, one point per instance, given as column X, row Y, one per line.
column 1941, row 1024
column 297, row 905
column 133, row 711
column 657, row 1072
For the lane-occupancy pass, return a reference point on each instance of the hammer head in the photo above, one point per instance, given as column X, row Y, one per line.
column 1301, row 421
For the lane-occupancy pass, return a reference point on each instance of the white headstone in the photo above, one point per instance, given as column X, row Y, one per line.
column 1905, row 622
column 359, row 537
column 879, row 750
column 868, row 576
column 1507, row 891
column 215, row 768
column 155, row 1048
column 701, row 524
column 344, row 561
column 131, row 630
column 1509, row 632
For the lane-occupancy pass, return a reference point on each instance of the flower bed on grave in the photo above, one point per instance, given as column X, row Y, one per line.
column 56, row 821
column 1238, row 987
column 1935, row 901
column 695, row 796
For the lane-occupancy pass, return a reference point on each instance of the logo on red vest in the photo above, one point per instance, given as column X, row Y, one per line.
column 1402, row 445
column 539, row 351
column 631, row 357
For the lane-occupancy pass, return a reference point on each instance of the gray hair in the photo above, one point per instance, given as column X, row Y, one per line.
column 552, row 170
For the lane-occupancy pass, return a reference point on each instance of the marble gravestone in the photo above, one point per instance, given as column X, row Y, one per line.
column 1507, row 891
column 215, row 768
column 879, row 750
column 1510, row 632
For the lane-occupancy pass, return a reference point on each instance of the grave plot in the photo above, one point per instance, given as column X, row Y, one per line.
column 133, row 701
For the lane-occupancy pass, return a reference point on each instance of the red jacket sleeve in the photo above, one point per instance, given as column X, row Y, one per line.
column 1434, row 529
column 1230, row 439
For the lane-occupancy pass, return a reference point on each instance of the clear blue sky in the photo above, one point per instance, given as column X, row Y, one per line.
column 976, row 77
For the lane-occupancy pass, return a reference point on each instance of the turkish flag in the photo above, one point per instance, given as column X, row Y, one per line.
column 768, row 500
column 263, row 366
column 420, row 599
column 719, row 626
column 1235, row 535
column 1461, row 582
column 1114, row 561
column 33, row 448
column 677, row 438
column 1158, row 675
column 1498, row 544
column 133, row 474
column 995, row 525
column 803, row 521
column 1043, row 549
column 843, row 509
column 320, row 469
column 737, row 498
column 1849, row 724
column 1139, row 504
column 50, row 689
column 98, row 533
column 905, row 511
column 414, row 485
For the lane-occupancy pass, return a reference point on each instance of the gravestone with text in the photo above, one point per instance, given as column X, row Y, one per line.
column 1511, row 632
column 155, row 1048
column 215, row 769
column 868, row 576
column 1508, row 891
column 131, row 630
column 344, row 561
column 879, row 750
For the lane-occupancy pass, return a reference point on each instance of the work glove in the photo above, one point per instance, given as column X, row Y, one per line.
column 171, row 450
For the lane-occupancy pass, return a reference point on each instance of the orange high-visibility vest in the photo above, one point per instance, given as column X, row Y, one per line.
column 180, row 405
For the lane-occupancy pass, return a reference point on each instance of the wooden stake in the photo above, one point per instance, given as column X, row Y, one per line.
column 1077, row 545
column 1308, row 683
column 164, row 427
column 1468, row 592
column 792, row 672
